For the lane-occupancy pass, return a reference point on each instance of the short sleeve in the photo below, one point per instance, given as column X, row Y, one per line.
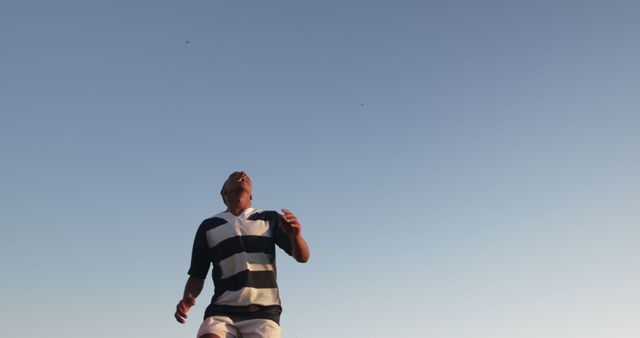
column 200, row 261
column 281, row 238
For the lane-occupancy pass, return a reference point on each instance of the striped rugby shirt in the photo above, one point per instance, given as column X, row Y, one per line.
column 242, row 251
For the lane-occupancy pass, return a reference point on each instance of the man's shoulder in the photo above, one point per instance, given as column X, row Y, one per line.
column 213, row 221
column 263, row 215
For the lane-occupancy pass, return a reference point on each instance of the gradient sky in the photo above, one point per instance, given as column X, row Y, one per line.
column 462, row 169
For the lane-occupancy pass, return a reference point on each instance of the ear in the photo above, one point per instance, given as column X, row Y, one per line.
column 224, row 197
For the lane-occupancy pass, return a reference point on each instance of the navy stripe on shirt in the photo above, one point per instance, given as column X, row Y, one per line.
column 234, row 245
column 252, row 279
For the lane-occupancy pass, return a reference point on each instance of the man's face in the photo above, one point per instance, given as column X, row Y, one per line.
column 237, row 181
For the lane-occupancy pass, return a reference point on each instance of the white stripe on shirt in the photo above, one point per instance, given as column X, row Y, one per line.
column 244, row 228
column 247, row 296
column 256, row 261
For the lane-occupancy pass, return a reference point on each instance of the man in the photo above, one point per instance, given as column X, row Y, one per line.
column 240, row 243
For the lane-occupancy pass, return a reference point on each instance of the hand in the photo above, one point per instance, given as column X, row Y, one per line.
column 290, row 226
column 183, row 307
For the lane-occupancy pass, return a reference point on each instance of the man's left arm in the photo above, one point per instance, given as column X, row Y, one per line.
column 291, row 226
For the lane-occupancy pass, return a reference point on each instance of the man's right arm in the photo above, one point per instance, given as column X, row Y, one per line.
column 191, row 291
column 200, row 263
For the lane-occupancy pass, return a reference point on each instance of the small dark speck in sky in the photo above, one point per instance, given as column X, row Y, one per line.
column 187, row 41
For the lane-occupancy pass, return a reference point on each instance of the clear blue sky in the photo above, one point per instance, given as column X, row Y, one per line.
column 462, row 169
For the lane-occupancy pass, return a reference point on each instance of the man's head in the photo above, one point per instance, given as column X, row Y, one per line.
column 236, row 185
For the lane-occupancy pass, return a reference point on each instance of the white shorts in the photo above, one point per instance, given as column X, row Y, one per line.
column 224, row 327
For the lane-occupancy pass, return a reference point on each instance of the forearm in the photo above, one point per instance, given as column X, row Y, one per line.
column 191, row 290
column 300, row 249
column 193, row 287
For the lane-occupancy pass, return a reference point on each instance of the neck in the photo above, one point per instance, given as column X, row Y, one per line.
column 237, row 204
